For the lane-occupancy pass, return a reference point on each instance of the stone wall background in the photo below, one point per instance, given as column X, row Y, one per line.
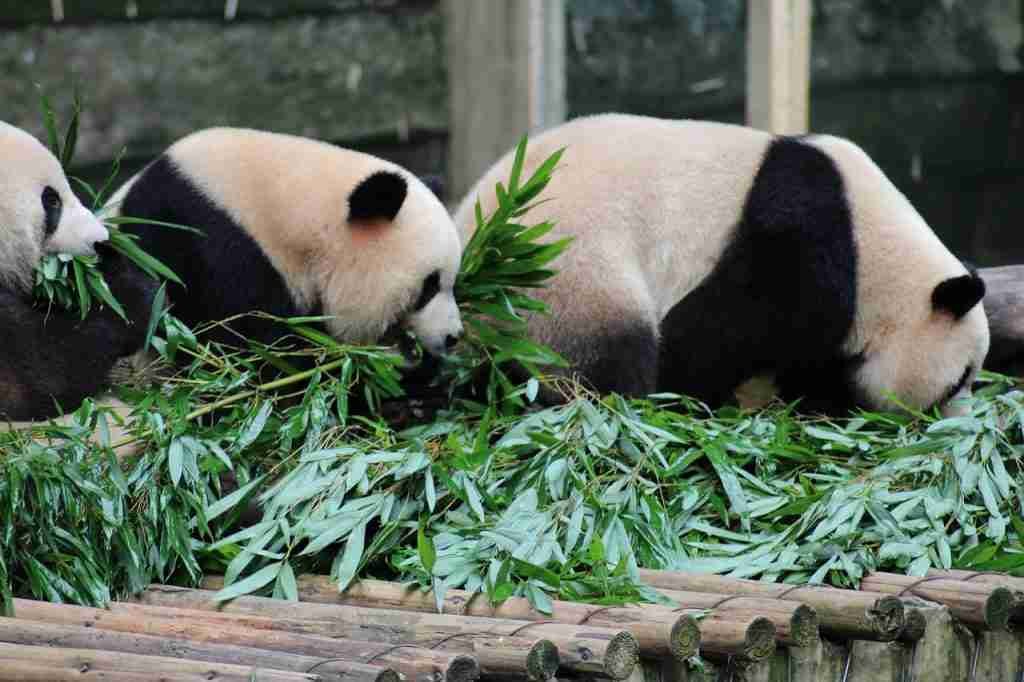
column 933, row 89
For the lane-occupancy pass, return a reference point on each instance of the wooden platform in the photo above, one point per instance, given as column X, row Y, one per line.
column 951, row 626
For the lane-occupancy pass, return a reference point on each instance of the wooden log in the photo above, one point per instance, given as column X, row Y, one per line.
column 841, row 613
column 92, row 661
column 1004, row 307
column 419, row 665
column 740, row 634
column 985, row 606
column 488, row 639
column 914, row 627
column 796, row 624
column 659, row 631
column 27, row 671
column 18, row 631
column 1012, row 582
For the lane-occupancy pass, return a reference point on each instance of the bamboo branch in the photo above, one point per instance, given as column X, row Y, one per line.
column 841, row 613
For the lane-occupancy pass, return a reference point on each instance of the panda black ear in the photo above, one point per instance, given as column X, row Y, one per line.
column 957, row 295
column 379, row 196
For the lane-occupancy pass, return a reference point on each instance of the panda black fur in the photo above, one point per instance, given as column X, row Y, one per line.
column 52, row 359
column 292, row 226
column 708, row 254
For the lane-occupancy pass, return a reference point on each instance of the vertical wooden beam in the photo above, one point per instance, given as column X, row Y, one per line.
column 778, row 65
column 506, row 77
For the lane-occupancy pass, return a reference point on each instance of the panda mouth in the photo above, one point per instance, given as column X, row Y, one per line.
column 957, row 387
column 396, row 335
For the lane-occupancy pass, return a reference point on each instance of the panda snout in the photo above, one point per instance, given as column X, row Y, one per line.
column 451, row 341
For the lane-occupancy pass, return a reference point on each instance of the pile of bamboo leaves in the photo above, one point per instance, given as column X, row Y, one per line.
column 263, row 480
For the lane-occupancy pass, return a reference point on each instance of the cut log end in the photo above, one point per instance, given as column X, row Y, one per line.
column 803, row 626
column 542, row 661
column 998, row 606
column 685, row 638
column 760, row 640
column 622, row 656
column 914, row 626
column 462, row 669
column 389, row 675
column 887, row 617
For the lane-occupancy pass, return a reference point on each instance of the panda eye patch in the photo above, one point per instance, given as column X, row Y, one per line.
column 52, row 206
column 431, row 285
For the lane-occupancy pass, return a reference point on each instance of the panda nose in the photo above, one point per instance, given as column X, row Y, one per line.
column 450, row 341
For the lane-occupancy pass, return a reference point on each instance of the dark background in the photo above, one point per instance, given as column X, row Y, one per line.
column 931, row 88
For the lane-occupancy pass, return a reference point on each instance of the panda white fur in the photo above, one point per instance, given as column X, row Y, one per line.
column 707, row 254
column 53, row 359
column 294, row 226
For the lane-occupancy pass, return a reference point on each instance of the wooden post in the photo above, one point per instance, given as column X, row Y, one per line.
column 778, row 65
column 506, row 77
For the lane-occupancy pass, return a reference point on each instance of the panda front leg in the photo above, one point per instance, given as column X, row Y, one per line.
column 54, row 359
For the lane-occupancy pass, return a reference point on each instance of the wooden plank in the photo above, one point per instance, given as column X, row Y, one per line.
column 79, row 12
column 778, row 65
column 506, row 74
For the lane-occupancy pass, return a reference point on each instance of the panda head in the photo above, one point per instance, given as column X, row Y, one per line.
column 919, row 334
column 930, row 355
column 396, row 264
column 39, row 213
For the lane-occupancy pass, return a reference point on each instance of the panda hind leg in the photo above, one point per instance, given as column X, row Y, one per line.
column 617, row 358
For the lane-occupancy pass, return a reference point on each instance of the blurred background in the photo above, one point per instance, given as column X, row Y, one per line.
column 931, row 88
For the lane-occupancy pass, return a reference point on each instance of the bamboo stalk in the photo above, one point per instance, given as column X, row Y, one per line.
column 487, row 638
column 987, row 606
column 841, row 613
column 796, row 624
column 91, row 661
column 658, row 631
column 418, row 664
column 18, row 631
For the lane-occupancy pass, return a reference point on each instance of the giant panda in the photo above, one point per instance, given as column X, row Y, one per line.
column 294, row 226
column 709, row 254
column 52, row 359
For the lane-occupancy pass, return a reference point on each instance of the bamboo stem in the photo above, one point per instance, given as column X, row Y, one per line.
column 418, row 664
column 658, row 631
column 841, row 613
column 986, row 606
column 497, row 652
column 796, row 624
column 84, row 661
column 18, row 631
column 238, row 397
